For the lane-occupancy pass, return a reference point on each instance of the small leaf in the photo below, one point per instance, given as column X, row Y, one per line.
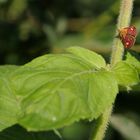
column 89, row 56
column 132, row 60
column 125, row 74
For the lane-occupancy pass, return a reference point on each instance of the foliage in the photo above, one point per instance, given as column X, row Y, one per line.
column 53, row 91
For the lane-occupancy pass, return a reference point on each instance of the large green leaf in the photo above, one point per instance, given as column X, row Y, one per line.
column 61, row 89
column 125, row 74
column 53, row 91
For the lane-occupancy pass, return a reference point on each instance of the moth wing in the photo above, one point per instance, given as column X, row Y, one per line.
column 132, row 31
column 128, row 41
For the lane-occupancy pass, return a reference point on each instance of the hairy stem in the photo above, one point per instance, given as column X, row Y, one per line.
column 117, row 54
column 101, row 125
column 123, row 21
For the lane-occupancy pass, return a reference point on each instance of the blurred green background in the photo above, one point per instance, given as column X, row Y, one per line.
column 30, row 28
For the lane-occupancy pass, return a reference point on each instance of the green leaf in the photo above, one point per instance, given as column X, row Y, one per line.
column 9, row 105
column 125, row 74
column 89, row 56
column 53, row 91
column 132, row 60
column 57, row 90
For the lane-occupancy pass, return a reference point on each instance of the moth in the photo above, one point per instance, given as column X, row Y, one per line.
column 127, row 36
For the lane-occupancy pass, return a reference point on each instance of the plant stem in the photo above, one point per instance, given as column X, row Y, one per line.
column 101, row 125
column 117, row 54
column 123, row 21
